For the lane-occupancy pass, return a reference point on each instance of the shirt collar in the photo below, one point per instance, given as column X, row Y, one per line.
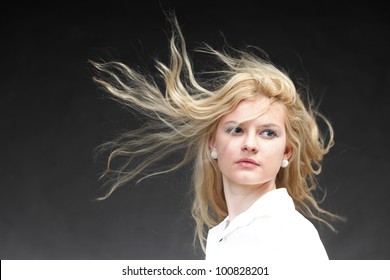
column 270, row 204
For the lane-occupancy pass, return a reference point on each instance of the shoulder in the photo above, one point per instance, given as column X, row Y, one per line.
column 301, row 234
column 290, row 235
column 300, row 223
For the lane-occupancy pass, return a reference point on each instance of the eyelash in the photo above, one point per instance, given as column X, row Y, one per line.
column 233, row 131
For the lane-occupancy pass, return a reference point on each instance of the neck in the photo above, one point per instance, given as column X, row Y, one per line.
column 240, row 197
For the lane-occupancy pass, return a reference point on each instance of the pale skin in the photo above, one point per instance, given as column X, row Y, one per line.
column 250, row 152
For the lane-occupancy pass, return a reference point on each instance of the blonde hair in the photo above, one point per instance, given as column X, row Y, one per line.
column 183, row 117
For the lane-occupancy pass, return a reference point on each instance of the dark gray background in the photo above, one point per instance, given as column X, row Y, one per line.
column 53, row 116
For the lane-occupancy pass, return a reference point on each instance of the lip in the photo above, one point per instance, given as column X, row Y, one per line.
column 248, row 162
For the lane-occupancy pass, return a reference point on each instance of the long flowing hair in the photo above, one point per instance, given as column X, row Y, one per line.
column 182, row 115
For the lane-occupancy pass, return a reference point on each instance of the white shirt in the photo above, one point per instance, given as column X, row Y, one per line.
column 271, row 229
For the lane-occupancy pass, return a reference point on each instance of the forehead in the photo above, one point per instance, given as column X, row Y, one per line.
column 259, row 108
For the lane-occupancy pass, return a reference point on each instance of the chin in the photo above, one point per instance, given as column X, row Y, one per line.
column 249, row 182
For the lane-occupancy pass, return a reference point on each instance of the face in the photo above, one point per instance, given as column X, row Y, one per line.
column 251, row 152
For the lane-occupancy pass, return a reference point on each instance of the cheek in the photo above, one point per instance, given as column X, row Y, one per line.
column 274, row 151
column 227, row 153
column 226, row 146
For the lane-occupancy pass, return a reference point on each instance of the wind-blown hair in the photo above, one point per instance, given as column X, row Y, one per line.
column 184, row 114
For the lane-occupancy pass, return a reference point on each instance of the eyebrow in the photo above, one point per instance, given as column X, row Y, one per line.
column 266, row 125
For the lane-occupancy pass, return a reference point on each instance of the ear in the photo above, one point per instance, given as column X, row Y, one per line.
column 287, row 152
column 212, row 142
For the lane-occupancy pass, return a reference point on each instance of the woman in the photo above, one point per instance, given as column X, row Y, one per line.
column 258, row 149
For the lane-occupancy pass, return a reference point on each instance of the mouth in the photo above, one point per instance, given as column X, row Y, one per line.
column 248, row 162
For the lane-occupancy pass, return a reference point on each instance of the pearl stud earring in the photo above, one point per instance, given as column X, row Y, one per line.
column 284, row 163
column 214, row 154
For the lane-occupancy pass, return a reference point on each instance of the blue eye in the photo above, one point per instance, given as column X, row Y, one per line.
column 269, row 133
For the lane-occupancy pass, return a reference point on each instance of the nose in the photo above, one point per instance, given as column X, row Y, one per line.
column 250, row 144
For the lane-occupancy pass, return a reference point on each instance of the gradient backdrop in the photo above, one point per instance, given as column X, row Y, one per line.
column 52, row 116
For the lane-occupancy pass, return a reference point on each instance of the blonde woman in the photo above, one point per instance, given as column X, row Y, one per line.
column 252, row 141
